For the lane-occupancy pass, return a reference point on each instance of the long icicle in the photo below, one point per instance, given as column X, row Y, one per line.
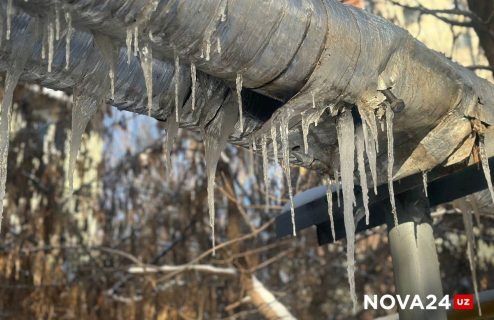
column 338, row 189
column 136, row 40
column 485, row 165
column 19, row 58
column 128, row 42
column 238, row 84
column 177, row 87
column 44, row 40
column 286, row 166
column 329, row 198
column 274, row 142
column 57, row 21
column 9, row 19
column 215, row 140
column 112, row 82
column 389, row 133
column 468, row 223
column 370, row 150
column 21, row 51
column 193, row 75
column 10, row 84
column 68, row 39
column 84, row 107
column 146, row 54
column 51, row 39
column 359, row 137
column 264, row 151
column 346, row 143
column 305, row 132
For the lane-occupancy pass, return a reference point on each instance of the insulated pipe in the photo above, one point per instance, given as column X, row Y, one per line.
column 274, row 44
column 130, row 88
column 309, row 53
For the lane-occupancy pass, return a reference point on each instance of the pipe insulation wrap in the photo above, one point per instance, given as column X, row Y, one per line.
column 130, row 89
column 304, row 53
column 274, row 44
column 371, row 55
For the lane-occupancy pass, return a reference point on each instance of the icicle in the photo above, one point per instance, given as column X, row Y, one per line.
column 389, row 132
column 43, row 44
column 424, row 181
column 485, row 165
column 147, row 68
column 9, row 18
column 128, row 42
column 274, row 142
column 238, row 82
column 21, row 50
column 309, row 117
column 372, row 130
column 177, row 83
column 285, row 164
column 210, row 190
column 112, row 82
column 218, row 45
column 57, row 21
column 110, row 54
column 68, row 38
column 193, row 75
column 361, row 170
column 83, row 109
column 346, row 143
column 171, row 128
column 215, row 141
column 467, row 221
column 338, row 185
column 370, row 150
column 208, row 48
column 210, row 30
column 305, row 132
column 51, row 39
column 223, row 6
column 329, row 198
column 264, row 151
column 10, row 84
column 136, row 40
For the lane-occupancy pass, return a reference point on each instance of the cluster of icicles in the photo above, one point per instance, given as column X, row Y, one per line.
column 361, row 140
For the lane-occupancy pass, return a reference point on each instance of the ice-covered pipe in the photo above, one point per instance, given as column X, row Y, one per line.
column 274, row 44
column 130, row 87
column 308, row 53
column 317, row 53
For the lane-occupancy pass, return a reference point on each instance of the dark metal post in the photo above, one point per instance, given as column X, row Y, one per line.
column 415, row 261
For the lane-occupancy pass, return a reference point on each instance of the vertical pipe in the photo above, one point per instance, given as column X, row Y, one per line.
column 413, row 250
